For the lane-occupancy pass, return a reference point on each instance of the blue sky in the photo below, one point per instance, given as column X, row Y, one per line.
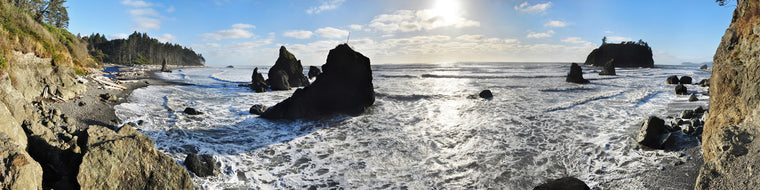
column 249, row 32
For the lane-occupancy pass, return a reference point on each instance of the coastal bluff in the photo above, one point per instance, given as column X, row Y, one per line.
column 730, row 139
column 626, row 54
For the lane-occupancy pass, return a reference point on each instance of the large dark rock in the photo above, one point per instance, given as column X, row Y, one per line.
column 258, row 83
column 344, row 87
column 673, row 80
column 565, row 183
column 652, row 133
column 685, row 80
column 279, row 80
column 681, row 89
column 693, row 97
column 703, row 67
column 704, row 82
column 258, row 109
column 486, row 94
column 164, row 68
column 314, row 71
column 576, row 74
column 609, row 68
column 625, row 55
column 192, row 111
column 202, row 165
column 289, row 68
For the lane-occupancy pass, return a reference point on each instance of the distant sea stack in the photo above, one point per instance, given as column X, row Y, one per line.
column 344, row 87
column 287, row 71
column 626, row 54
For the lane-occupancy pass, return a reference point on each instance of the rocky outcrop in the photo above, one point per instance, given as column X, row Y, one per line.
column 735, row 162
column 314, row 71
column 344, row 87
column 609, row 68
column 126, row 159
column 17, row 169
column 565, row 183
column 258, row 83
column 625, row 55
column 288, row 69
column 576, row 74
column 202, row 165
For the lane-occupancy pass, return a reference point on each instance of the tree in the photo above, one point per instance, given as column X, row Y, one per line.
column 723, row 2
column 604, row 40
column 48, row 11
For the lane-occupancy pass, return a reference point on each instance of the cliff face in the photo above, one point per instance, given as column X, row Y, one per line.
column 730, row 143
column 625, row 55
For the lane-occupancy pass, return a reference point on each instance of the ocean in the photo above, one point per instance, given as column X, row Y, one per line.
column 424, row 130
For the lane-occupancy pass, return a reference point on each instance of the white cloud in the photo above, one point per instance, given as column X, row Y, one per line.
column 238, row 31
column 411, row 20
column 537, row 8
column 145, row 23
column 299, row 34
column 326, row 5
column 144, row 18
column 249, row 45
column 166, row 38
column 556, row 24
column 573, row 40
column 330, row 32
column 608, row 32
column 170, row 9
column 143, row 12
column 118, row 36
column 136, row 3
column 355, row 27
column 471, row 38
column 511, row 41
column 541, row 35
column 617, row 39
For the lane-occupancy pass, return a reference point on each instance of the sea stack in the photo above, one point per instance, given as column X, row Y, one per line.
column 314, row 71
column 626, row 54
column 258, row 83
column 576, row 74
column 344, row 87
column 287, row 72
column 609, row 68
column 164, row 68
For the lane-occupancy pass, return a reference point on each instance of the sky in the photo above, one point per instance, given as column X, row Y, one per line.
column 250, row 32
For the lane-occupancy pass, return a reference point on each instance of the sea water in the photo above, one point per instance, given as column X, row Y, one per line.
column 424, row 130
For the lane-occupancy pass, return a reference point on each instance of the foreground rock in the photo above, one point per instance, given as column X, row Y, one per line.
column 609, row 68
column 693, row 97
column 673, row 80
column 565, row 183
column 344, row 87
column 202, row 165
column 258, row 109
column 576, row 74
column 685, row 80
column 681, row 90
column 126, row 159
column 287, row 72
column 192, row 111
column 652, row 133
column 258, row 83
column 625, row 55
column 19, row 170
column 314, row 71
column 486, row 94
column 735, row 165
column 164, row 68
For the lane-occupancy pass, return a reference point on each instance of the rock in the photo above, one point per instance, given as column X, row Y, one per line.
column 652, row 133
column 673, row 80
column 703, row 67
column 681, row 90
column 625, row 55
column 609, row 68
column 230, row 66
column 17, row 168
column 126, row 159
column 565, row 183
column 699, row 110
column 192, row 111
column 288, row 66
column 705, row 116
column 687, row 114
column 576, row 74
column 10, row 127
column 279, row 80
column 344, row 87
column 314, row 71
column 203, row 165
column 685, row 80
column 704, row 82
column 257, row 81
column 109, row 97
column 687, row 129
column 164, row 68
column 693, row 98
column 486, row 94
column 258, row 109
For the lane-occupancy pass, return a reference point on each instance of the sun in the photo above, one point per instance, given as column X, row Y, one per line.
column 448, row 10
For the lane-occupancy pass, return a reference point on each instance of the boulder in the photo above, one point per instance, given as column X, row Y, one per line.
column 314, row 71
column 565, row 183
column 258, row 83
column 288, row 66
column 258, row 109
column 699, row 110
column 202, row 165
column 686, row 114
column 192, row 111
column 673, row 80
column 576, row 74
column 344, row 87
column 652, row 133
column 279, row 80
column 609, row 68
column 685, row 80
column 126, row 159
column 164, row 68
column 693, row 98
column 704, row 82
column 625, row 55
column 17, row 168
column 703, row 67
column 486, row 94
column 681, row 90
column 109, row 97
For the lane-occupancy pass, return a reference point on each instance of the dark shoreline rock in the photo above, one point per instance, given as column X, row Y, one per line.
column 565, row 183
column 685, row 80
column 202, row 165
column 344, row 87
column 258, row 109
column 192, row 111
column 681, row 90
column 287, row 72
column 609, row 68
column 258, row 83
column 652, row 133
column 576, row 75
column 486, row 94
column 314, row 71
column 625, row 55
column 673, row 80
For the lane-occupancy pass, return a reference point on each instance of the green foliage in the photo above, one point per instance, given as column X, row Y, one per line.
column 721, row 2
column 140, row 49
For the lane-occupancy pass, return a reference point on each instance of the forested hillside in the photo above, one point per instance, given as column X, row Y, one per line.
column 140, row 49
